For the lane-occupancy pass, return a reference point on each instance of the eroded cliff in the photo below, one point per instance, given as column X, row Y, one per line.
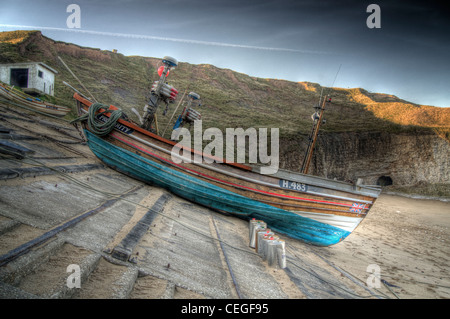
column 379, row 158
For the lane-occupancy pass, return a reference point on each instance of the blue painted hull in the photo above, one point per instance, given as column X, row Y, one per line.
column 209, row 195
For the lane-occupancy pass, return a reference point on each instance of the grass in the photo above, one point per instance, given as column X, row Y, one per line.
column 14, row 37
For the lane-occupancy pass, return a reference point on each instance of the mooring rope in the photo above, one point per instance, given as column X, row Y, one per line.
column 97, row 126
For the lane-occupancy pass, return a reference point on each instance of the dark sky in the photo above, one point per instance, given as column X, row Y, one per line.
column 293, row 40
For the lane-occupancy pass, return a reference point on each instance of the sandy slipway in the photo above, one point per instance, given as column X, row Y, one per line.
column 63, row 214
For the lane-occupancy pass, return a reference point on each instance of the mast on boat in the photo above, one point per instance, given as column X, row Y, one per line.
column 317, row 121
column 163, row 92
column 160, row 92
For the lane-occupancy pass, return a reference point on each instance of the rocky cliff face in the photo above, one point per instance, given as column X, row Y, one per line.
column 379, row 158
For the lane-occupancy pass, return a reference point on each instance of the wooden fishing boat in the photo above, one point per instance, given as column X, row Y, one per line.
column 28, row 101
column 313, row 209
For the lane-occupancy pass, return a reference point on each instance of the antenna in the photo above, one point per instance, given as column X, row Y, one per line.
column 332, row 85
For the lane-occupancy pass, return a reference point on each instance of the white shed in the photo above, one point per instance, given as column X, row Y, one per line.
column 32, row 77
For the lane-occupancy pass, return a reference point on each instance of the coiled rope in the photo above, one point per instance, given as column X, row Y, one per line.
column 97, row 126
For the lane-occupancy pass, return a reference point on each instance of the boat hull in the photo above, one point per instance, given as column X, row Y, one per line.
column 212, row 196
column 316, row 210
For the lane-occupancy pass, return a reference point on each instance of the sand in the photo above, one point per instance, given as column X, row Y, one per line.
column 408, row 240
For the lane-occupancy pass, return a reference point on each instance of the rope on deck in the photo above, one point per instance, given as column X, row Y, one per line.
column 96, row 125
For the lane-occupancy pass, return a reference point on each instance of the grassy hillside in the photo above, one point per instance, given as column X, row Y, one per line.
column 230, row 99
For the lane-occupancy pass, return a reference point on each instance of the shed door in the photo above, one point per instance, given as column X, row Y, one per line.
column 19, row 77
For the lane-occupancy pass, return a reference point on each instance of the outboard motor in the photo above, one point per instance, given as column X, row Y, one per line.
column 160, row 92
